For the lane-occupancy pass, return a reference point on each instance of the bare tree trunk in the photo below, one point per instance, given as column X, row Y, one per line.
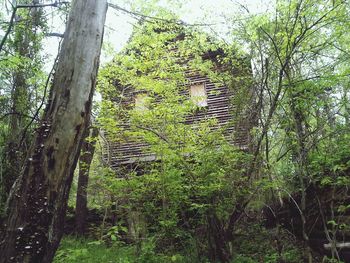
column 38, row 199
column 86, row 155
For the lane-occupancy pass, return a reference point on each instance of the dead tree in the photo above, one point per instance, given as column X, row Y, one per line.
column 38, row 200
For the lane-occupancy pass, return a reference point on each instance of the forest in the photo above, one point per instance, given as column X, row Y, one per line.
column 175, row 131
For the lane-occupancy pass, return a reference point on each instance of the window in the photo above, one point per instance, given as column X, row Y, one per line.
column 199, row 95
column 141, row 102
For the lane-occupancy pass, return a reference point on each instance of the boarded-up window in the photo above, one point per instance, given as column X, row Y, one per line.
column 141, row 102
column 199, row 95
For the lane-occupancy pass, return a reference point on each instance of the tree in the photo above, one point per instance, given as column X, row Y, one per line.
column 86, row 156
column 299, row 70
column 199, row 179
column 38, row 200
column 24, row 46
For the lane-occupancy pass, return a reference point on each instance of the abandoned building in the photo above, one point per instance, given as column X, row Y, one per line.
column 219, row 101
column 213, row 99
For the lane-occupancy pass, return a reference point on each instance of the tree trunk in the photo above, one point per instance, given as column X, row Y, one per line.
column 300, row 155
column 38, row 199
column 218, row 242
column 86, row 155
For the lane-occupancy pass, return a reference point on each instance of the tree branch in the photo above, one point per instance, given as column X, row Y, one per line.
column 154, row 132
column 53, row 34
column 44, row 95
column 170, row 21
column 15, row 113
column 14, row 11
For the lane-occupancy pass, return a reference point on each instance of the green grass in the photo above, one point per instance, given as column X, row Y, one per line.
column 250, row 248
column 73, row 250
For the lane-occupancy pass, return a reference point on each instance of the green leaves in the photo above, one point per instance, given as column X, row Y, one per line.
column 200, row 173
column 299, row 55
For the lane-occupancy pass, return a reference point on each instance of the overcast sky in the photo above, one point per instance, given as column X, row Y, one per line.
column 119, row 24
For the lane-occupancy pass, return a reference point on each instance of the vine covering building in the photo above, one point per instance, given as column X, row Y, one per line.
column 217, row 89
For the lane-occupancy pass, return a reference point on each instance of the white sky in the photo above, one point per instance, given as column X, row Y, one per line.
column 119, row 24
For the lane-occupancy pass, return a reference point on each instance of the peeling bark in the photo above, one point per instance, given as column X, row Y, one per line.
column 38, row 199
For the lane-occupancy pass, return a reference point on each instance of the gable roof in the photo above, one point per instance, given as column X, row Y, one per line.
column 174, row 40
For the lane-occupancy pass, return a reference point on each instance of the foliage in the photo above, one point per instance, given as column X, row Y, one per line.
column 296, row 93
column 200, row 174
column 301, row 108
column 255, row 245
column 22, row 86
column 78, row 250
column 302, row 101
column 72, row 250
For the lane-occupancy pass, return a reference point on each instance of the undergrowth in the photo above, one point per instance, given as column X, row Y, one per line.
column 74, row 250
column 254, row 244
